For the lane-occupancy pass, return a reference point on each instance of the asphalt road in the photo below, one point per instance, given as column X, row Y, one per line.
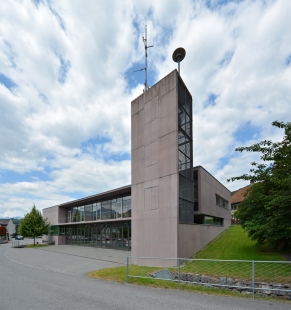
column 26, row 286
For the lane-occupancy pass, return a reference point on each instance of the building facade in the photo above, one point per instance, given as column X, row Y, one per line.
column 171, row 209
column 236, row 198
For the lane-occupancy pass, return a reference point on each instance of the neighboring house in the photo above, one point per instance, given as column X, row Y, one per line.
column 10, row 226
column 16, row 222
column 236, row 198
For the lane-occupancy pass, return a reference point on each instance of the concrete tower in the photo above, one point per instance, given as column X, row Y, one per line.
column 162, row 167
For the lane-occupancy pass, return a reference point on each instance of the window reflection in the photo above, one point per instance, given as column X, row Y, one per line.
column 102, row 210
column 103, row 235
column 185, row 156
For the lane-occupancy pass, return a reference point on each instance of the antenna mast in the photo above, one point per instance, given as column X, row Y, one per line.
column 146, row 87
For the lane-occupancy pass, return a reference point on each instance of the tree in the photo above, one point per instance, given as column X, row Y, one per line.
column 2, row 231
column 33, row 224
column 265, row 213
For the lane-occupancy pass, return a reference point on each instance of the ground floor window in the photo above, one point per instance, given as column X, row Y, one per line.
column 101, row 235
column 208, row 220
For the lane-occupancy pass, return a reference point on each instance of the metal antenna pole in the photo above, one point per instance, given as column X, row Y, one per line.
column 146, row 60
column 146, row 87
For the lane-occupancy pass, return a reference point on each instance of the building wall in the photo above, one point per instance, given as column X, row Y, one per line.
column 193, row 238
column 59, row 240
column 10, row 228
column 52, row 214
column 208, row 186
column 154, row 170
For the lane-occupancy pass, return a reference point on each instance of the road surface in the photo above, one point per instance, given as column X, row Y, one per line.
column 25, row 285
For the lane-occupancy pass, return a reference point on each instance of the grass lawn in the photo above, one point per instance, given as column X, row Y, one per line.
column 234, row 243
column 118, row 274
column 35, row 246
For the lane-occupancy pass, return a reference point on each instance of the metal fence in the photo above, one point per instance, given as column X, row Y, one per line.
column 261, row 278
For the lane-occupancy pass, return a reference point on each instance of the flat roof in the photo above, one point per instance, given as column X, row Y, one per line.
column 196, row 167
column 101, row 196
column 111, row 194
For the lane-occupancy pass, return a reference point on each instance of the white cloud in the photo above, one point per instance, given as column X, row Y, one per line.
column 69, row 61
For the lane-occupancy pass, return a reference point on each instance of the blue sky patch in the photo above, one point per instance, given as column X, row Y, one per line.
column 222, row 163
column 43, row 98
column 14, row 177
column 214, row 4
column 91, row 142
column 288, row 60
column 10, row 54
column 58, row 17
column 64, row 69
column 211, row 100
column 7, row 82
column 246, row 132
column 118, row 157
column 226, row 59
column 37, row 2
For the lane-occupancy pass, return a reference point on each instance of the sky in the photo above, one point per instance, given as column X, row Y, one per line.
column 66, row 86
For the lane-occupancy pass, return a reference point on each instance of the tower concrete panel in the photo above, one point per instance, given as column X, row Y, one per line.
column 155, row 178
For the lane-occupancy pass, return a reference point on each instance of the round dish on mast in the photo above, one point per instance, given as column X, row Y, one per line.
column 178, row 55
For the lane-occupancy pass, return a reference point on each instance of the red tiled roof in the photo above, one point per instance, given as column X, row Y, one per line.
column 238, row 196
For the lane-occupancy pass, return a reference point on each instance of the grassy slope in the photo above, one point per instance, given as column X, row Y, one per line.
column 234, row 243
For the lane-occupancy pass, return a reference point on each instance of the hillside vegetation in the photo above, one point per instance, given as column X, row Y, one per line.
column 234, row 243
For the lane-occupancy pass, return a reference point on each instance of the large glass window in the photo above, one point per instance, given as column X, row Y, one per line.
column 88, row 212
column 221, row 201
column 82, row 213
column 196, row 198
column 126, row 206
column 106, row 210
column 104, row 235
column 98, row 210
column 76, row 215
column 94, row 211
column 185, row 156
column 208, row 220
column 117, row 207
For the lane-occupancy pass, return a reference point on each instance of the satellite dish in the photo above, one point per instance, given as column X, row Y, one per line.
column 178, row 55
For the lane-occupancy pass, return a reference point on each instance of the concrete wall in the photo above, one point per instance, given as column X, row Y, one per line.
column 10, row 228
column 208, row 186
column 193, row 238
column 52, row 214
column 154, row 159
column 62, row 214
column 59, row 240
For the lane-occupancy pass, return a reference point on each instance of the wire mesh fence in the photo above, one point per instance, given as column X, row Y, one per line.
column 261, row 278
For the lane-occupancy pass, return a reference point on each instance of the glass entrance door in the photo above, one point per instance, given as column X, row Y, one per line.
column 106, row 237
